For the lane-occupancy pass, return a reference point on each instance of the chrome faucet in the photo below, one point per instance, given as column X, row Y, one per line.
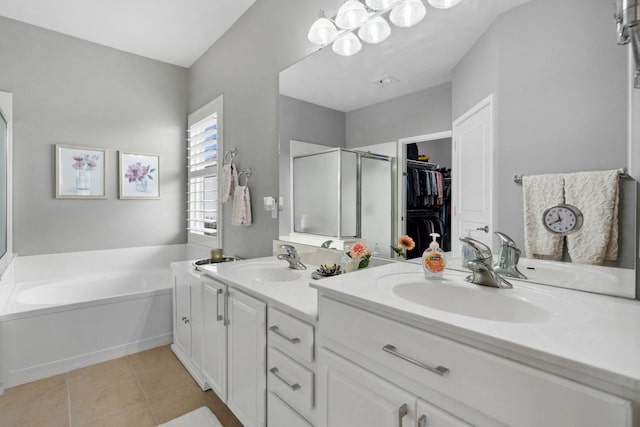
column 481, row 266
column 326, row 244
column 291, row 256
column 507, row 264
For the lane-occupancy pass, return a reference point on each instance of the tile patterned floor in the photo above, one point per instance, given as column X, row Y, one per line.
column 143, row 389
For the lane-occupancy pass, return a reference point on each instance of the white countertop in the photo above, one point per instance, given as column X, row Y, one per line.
column 591, row 334
column 294, row 296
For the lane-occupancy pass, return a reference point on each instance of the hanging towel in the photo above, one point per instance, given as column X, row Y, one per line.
column 241, row 212
column 540, row 192
column 229, row 181
column 596, row 194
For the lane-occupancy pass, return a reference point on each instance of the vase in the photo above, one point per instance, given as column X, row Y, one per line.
column 83, row 180
column 348, row 264
column 141, row 186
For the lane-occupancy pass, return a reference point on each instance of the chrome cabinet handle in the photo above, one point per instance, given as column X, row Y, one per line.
column 402, row 411
column 218, row 293
column 440, row 370
column 276, row 331
column 422, row 421
column 293, row 387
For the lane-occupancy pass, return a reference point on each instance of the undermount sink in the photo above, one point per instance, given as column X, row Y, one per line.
column 266, row 272
column 453, row 295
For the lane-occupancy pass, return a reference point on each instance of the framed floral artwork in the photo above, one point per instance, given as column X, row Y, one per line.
column 80, row 172
column 139, row 176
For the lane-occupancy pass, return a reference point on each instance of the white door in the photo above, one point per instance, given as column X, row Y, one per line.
column 247, row 370
column 349, row 396
column 214, row 363
column 432, row 416
column 182, row 302
column 472, row 174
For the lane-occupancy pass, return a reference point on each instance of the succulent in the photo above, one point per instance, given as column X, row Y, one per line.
column 329, row 270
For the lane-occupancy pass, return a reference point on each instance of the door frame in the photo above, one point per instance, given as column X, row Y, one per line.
column 489, row 101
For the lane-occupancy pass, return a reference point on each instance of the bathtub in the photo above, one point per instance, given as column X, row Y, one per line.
column 65, row 311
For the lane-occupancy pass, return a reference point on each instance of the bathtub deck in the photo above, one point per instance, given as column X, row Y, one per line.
column 143, row 389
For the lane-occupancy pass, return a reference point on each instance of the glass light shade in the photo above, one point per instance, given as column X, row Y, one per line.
column 408, row 13
column 381, row 4
column 351, row 15
column 322, row 32
column 347, row 45
column 374, row 31
column 444, row 4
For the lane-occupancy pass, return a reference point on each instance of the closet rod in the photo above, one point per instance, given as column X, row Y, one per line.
column 622, row 172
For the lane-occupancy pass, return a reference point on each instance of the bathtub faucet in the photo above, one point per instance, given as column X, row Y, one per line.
column 291, row 256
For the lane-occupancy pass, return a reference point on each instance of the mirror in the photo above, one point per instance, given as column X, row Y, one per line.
column 559, row 80
column 3, row 185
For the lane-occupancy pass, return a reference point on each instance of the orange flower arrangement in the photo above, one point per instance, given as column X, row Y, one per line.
column 359, row 251
column 405, row 243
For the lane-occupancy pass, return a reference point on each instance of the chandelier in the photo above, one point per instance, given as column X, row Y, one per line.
column 366, row 16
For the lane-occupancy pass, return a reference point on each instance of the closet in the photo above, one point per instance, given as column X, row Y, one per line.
column 428, row 194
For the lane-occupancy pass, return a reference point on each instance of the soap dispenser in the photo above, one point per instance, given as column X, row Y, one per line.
column 433, row 261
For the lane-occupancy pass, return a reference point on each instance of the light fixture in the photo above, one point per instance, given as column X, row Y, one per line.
column 366, row 16
column 347, row 44
column 374, row 31
column 444, row 4
column 351, row 15
column 323, row 31
column 408, row 13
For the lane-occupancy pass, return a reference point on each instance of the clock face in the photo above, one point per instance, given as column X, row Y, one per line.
column 562, row 219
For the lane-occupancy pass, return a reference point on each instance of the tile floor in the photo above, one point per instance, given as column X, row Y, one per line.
column 143, row 389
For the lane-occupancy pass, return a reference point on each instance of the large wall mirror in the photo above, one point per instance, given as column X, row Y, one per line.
column 559, row 82
column 5, row 179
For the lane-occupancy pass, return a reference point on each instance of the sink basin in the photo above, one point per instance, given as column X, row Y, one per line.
column 266, row 272
column 454, row 295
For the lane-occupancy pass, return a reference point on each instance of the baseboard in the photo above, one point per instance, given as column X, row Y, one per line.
column 38, row 372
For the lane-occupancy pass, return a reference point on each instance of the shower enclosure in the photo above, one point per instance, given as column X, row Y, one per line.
column 345, row 195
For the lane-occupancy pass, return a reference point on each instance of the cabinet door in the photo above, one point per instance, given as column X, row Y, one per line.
column 214, row 361
column 281, row 414
column 350, row 396
column 246, row 389
column 432, row 416
column 182, row 304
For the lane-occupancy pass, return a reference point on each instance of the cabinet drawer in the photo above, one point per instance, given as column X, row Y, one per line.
column 290, row 380
column 292, row 336
column 510, row 392
column 281, row 414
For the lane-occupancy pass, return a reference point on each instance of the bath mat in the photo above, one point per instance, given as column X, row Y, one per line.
column 201, row 417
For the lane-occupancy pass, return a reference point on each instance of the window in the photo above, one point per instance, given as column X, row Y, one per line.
column 204, row 145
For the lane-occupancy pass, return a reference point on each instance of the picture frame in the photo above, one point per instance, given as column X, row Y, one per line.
column 138, row 175
column 80, row 172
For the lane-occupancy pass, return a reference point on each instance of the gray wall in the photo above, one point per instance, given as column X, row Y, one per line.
column 69, row 91
column 244, row 65
column 306, row 122
column 439, row 150
column 561, row 98
column 419, row 113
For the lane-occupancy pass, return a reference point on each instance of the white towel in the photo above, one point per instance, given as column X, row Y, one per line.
column 540, row 192
column 596, row 194
column 229, row 181
column 241, row 212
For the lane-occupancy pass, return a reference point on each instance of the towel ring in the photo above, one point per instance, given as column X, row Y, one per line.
column 229, row 155
column 246, row 173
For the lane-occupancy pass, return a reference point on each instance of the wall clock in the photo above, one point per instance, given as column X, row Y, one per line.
column 562, row 219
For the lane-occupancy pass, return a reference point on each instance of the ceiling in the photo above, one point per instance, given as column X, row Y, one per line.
column 172, row 31
column 417, row 58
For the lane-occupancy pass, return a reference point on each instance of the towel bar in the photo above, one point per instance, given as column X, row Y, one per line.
column 517, row 178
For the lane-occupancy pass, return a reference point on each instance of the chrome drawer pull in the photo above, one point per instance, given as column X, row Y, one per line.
column 422, row 421
column 440, row 370
column 218, row 293
column 402, row 411
column 276, row 331
column 293, row 387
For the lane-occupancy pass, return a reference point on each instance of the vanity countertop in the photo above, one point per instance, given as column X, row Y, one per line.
column 589, row 334
column 294, row 296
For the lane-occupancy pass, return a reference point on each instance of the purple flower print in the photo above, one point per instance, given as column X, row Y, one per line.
column 138, row 172
column 85, row 161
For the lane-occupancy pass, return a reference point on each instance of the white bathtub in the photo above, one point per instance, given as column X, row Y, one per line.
column 55, row 316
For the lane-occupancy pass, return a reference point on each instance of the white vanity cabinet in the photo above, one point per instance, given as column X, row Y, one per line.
column 187, row 322
column 371, row 366
column 290, row 370
column 214, row 360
